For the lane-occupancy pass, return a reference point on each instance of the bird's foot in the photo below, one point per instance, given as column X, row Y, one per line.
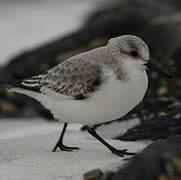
column 64, row 148
column 122, row 152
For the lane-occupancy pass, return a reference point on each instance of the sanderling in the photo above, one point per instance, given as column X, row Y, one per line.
column 93, row 87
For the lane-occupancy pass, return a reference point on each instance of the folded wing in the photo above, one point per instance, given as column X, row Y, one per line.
column 74, row 77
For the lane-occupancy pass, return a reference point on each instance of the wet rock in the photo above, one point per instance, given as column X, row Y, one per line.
column 95, row 174
column 159, row 161
column 159, row 121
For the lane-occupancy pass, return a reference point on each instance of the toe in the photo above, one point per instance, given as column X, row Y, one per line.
column 122, row 152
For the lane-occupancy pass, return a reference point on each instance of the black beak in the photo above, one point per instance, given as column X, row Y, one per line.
column 154, row 66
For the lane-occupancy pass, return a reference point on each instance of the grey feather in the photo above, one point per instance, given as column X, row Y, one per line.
column 76, row 76
column 83, row 73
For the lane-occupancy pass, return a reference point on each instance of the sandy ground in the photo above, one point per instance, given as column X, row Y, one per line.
column 25, row 151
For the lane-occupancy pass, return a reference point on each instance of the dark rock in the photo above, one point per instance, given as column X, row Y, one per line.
column 98, row 175
column 107, row 175
column 95, row 174
column 159, row 161
column 159, row 121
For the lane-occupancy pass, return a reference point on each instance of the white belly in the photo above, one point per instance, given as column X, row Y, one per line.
column 112, row 101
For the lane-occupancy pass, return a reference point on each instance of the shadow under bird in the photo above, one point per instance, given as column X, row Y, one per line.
column 93, row 87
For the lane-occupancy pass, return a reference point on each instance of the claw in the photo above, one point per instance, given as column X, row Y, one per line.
column 73, row 148
column 64, row 148
column 122, row 152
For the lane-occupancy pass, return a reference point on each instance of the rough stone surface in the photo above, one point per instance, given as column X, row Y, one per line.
column 161, row 160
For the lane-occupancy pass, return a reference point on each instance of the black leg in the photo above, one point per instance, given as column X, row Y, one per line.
column 112, row 149
column 60, row 145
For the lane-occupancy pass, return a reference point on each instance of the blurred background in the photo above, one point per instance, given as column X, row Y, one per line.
column 36, row 35
column 27, row 24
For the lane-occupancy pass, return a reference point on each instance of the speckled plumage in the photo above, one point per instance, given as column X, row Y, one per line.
column 78, row 76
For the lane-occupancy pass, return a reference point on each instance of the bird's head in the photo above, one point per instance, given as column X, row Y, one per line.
column 134, row 50
column 131, row 48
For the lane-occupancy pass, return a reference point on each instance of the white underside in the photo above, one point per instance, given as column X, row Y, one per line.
column 113, row 100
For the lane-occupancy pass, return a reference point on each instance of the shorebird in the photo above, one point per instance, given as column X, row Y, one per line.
column 93, row 87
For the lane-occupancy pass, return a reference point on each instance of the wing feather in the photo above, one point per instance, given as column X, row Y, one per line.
column 74, row 77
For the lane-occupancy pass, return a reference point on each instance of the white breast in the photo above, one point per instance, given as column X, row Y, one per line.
column 114, row 100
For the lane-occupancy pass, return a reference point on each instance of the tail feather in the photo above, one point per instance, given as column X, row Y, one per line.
column 27, row 92
column 32, row 82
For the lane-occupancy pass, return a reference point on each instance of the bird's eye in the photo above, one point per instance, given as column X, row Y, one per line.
column 134, row 53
